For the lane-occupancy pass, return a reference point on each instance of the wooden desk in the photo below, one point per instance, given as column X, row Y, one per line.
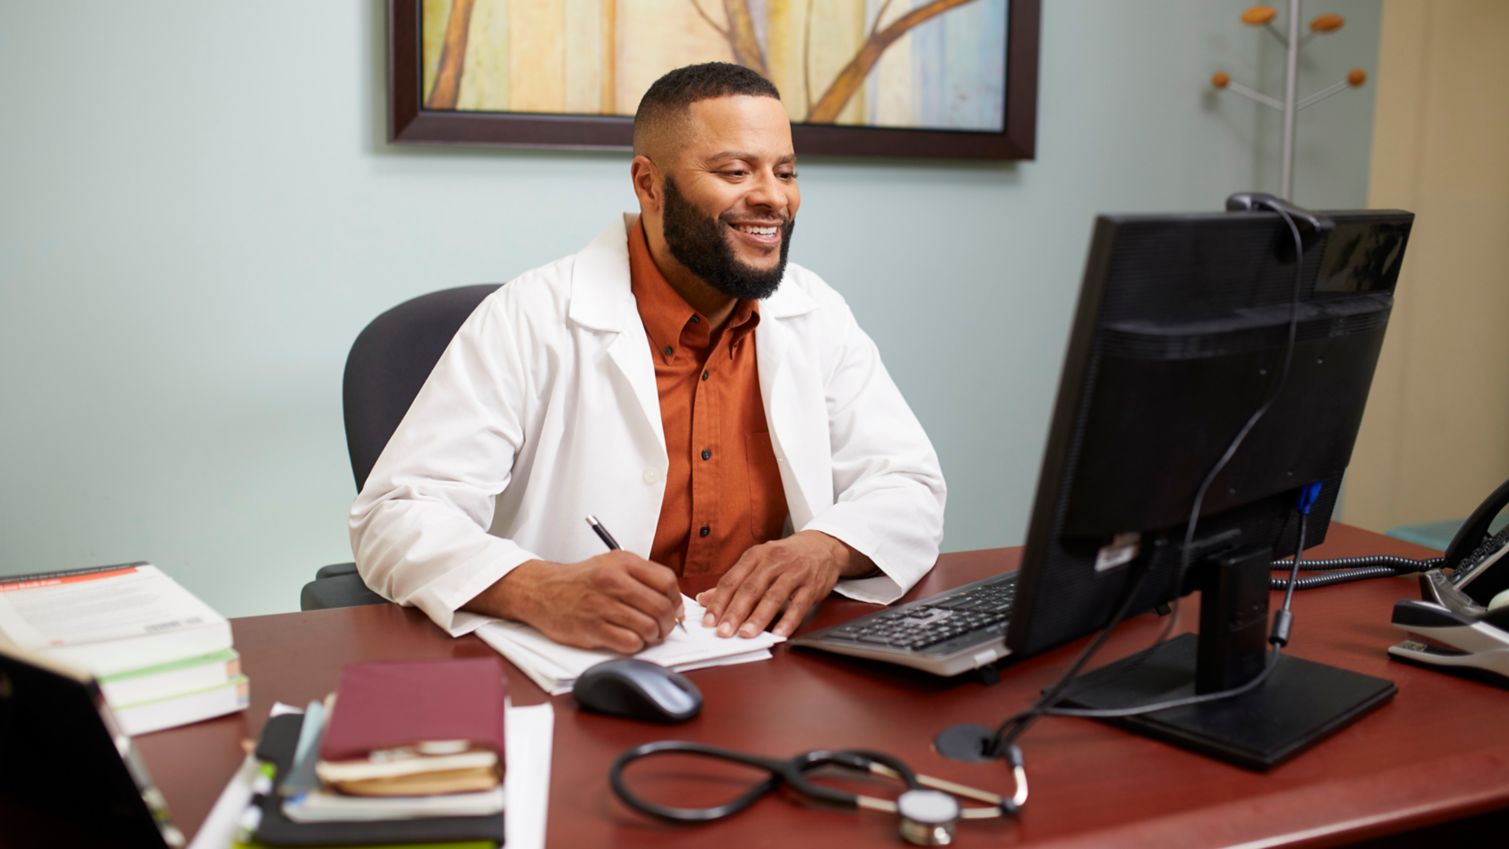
column 1438, row 752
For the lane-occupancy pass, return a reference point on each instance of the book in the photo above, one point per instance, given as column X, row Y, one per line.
column 184, row 708
column 174, row 678
column 415, row 728
column 555, row 667
column 109, row 619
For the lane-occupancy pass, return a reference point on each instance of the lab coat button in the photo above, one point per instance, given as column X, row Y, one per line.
column 652, row 476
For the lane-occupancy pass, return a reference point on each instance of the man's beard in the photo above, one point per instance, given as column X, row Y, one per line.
column 702, row 246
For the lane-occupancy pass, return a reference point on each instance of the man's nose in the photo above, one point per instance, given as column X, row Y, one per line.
column 769, row 192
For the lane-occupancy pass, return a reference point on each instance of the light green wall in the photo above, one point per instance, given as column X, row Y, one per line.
column 198, row 213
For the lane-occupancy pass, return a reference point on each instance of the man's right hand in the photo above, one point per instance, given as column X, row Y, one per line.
column 617, row 601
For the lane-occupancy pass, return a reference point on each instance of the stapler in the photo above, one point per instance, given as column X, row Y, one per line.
column 1453, row 639
column 1463, row 622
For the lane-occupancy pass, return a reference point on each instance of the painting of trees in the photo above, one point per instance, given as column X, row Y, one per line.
column 944, row 66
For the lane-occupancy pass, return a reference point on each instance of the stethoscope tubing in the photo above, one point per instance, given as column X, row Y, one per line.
column 791, row 772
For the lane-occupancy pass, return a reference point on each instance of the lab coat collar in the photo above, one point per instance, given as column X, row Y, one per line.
column 601, row 299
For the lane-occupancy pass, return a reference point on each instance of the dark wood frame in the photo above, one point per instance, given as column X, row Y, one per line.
column 410, row 123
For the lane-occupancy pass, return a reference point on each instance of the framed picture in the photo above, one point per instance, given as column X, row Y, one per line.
column 892, row 78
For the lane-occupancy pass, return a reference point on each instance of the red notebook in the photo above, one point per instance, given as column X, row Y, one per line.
column 405, row 704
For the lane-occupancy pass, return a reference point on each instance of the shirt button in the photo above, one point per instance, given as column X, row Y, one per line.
column 652, row 476
column 668, row 350
column 704, row 531
column 695, row 319
column 707, row 455
column 704, row 375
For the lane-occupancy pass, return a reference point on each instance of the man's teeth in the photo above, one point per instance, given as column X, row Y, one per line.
column 756, row 230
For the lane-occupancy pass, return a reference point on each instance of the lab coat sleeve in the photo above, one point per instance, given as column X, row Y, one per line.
column 888, row 487
column 419, row 528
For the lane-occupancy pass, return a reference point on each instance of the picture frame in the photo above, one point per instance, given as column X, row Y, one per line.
column 1013, row 137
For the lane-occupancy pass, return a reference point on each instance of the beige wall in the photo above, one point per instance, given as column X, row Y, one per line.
column 1436, row 436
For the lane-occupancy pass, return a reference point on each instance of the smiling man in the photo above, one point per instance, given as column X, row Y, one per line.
column 718, row 409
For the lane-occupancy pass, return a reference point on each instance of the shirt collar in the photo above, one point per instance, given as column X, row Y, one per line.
column 668, row 319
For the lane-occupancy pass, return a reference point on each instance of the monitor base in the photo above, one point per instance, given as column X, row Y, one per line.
column 1300, row 703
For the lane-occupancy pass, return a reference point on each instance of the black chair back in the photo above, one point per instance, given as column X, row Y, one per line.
column 389, row 362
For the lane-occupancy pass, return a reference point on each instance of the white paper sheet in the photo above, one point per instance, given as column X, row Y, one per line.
column 555, row 667
column 530, row 736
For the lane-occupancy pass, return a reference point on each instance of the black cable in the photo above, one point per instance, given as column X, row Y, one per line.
column 1013, row 727
column 1003, row 740
column 1332, row 578
column 1168, row 704
column 1299, row 548
column 1389, row 560
column 1279, row 637
column 1344, row 570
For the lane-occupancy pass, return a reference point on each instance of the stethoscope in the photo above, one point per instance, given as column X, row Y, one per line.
column 929, row 807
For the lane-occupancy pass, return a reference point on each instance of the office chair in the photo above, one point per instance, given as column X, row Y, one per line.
column 388, row 363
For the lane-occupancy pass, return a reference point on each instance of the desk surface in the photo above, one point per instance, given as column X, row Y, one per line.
column 1439, row 751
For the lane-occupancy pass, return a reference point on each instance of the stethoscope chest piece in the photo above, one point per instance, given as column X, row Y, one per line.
column 928, row 817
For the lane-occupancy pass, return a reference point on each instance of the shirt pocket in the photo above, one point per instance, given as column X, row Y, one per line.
column 767, row 499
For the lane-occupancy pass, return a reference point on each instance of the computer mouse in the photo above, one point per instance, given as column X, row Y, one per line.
column 637, row 689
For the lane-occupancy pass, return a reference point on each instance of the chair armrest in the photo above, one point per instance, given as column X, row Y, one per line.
column 344, row 590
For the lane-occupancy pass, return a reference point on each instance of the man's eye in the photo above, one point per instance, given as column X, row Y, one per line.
column 734, row 172
column 789, row 175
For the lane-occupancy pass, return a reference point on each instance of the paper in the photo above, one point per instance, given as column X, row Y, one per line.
column 531, row 734
column 324, row 806
column 555, row 667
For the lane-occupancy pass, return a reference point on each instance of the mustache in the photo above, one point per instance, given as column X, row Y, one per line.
column 784, row 221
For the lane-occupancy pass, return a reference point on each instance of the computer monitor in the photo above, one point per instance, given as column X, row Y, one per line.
column 1180, row 335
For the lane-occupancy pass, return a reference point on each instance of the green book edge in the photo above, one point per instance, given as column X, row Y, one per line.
column 222, row 656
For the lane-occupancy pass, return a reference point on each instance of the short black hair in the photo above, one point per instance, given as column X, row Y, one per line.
column 669, row 96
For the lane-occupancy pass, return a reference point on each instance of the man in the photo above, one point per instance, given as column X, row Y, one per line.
column 678, row 380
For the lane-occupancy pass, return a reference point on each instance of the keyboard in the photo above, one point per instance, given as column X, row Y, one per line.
column 945, row 634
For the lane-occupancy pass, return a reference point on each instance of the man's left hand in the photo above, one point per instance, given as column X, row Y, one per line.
column 794, row 573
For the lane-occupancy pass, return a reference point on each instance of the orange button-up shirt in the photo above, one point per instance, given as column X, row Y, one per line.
column 723, row 488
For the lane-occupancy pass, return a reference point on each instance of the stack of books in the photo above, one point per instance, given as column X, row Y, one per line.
column 161, row 656
column 403, row 752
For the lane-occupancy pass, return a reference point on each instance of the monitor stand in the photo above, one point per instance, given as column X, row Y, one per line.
column 1300, row 703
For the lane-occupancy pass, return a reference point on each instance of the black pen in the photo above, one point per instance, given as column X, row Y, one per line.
column 612, row 544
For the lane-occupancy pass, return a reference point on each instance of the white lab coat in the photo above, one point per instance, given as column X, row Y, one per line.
column 544, row 409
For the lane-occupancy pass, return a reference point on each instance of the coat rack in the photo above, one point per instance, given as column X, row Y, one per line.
column 1263, row 16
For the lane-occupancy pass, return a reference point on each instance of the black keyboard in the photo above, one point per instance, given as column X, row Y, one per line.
column 946, row 634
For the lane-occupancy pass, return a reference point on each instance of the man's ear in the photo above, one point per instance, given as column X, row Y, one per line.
column 646, row 179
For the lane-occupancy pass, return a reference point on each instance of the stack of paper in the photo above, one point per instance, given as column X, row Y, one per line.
column 555, row 667
column 161, row 656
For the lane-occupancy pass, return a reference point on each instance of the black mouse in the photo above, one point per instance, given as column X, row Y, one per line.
column 637, row 689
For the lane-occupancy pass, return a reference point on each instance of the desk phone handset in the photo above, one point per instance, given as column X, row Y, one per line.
column 1463, row 621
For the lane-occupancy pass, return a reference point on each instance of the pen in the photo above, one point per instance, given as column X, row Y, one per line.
column 612, row 544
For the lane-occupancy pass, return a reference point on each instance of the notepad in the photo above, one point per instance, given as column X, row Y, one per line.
column 555, row 667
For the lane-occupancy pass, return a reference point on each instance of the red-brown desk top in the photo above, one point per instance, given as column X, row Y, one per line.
column 1438, row 751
